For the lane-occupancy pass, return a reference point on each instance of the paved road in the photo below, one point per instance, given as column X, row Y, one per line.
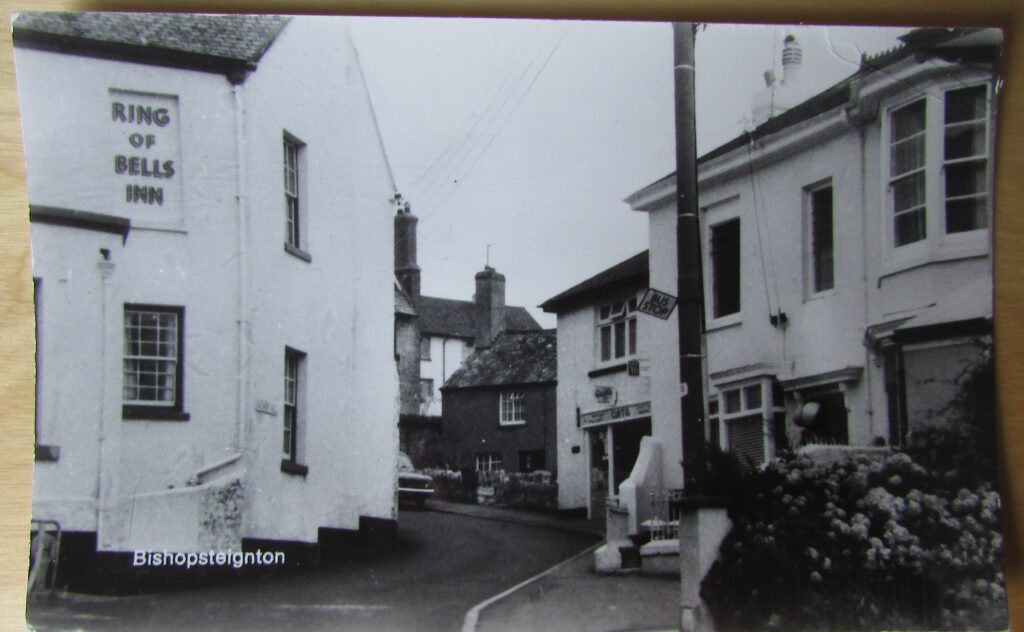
column 444, row 564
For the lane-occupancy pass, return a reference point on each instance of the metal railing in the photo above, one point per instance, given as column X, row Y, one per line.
column 663, row 523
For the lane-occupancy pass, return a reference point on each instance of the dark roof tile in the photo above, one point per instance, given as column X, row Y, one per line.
column 229, row 38
column 450, row 317
column 515, row 358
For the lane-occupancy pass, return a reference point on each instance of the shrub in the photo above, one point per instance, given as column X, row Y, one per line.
column 451, row 486
column 963, row 445
column 873, row 542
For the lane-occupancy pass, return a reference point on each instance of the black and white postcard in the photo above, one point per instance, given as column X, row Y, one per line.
column 481, row 324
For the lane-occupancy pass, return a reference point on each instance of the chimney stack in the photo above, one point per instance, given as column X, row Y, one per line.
column 488, row 306
column 406, row 270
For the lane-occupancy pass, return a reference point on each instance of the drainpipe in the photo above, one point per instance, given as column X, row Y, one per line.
column 688, row 261
column 242, row 209
column 106, row 483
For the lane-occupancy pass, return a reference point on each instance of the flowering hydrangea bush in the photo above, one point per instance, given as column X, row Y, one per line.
column 872, row 542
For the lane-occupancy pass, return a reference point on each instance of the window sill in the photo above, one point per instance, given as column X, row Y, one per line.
column 146, row 413
column 292, row 467
column 298, row 252
column 724, row 322
column 511, row 424
column 47, row 453
column 974, row 245
column 817, row 296
column 609, row 370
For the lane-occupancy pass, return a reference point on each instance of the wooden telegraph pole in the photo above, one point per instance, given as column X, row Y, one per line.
column 689, row 263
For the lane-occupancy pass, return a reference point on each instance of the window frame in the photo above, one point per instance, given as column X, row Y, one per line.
column 512, row 408
column 715, row 277
column 493, row 460
column 425, row 348
column 293, row 411
column 137, row 409
column 939, row 244
column 812, row 266
column 620, row 324
column 295, row 198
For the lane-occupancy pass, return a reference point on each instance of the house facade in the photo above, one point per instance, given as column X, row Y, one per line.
column 210, row 214
column 433, row 337
column 499, row 408
column 847, row 250
column 614, row 388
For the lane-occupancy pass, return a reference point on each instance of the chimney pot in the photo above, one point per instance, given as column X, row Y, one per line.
column 488, row 306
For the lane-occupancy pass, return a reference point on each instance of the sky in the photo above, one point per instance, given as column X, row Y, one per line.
column 515, row 141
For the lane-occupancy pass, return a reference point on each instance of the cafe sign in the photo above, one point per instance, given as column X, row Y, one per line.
column 618, row 413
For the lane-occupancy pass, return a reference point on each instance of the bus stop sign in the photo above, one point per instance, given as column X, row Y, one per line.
column 657, row 304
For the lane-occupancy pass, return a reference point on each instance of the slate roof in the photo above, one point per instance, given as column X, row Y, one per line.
column 630, row 274
column 450, row 317
column 217, row 43
column 515, row 357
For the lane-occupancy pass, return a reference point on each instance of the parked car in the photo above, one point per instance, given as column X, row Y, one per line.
column 413, row 486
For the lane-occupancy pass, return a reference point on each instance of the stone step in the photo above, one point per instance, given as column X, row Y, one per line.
column 660, row 557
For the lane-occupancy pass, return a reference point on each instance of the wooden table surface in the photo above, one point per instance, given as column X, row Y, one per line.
column 16, row 322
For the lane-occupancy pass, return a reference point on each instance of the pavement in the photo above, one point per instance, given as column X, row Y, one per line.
column 570, row 596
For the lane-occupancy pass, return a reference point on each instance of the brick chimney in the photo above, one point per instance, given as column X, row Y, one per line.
column 488, row 306
column 406, row 270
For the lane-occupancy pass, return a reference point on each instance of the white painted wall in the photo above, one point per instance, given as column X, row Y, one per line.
column 338, row 308
column 446, row 356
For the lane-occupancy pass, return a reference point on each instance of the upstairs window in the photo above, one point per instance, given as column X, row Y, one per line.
column 295, row 229
column 965, row 159
column 616, row 324
column 938, row 165
column 425, row 348
column 821, row 247
column 907, row 173
column 513, row 409
column 725, row 268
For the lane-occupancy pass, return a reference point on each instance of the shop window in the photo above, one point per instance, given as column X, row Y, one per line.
column 616, row 324
column 513, row 411
column 743, row 414
column 294, row 391
column 488, row 461
column 725, row 268
column 153, row 362
column 820, row 249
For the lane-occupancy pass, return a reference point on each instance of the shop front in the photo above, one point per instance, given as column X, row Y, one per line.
column 613, row 441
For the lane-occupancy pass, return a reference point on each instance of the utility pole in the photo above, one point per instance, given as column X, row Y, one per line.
column 689, row 263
